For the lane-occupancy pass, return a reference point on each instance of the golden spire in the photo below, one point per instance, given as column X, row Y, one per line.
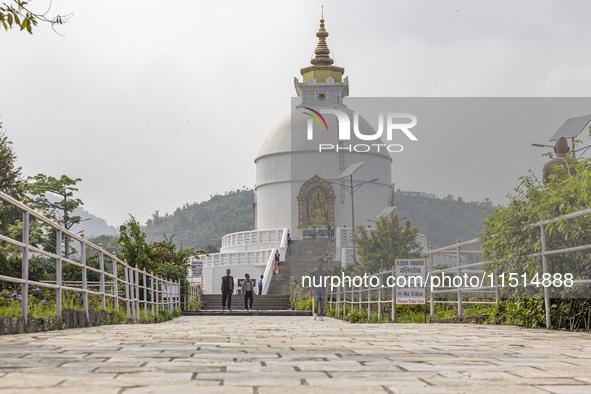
column 322, row 52
column 322, row 67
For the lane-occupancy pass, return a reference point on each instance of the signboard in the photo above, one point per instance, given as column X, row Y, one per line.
column 197, row 269
column 410, row 281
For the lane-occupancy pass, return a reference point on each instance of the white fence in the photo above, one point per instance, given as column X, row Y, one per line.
column 488, row 289
column 244, row 238
column 254, row 257
column 158, row 293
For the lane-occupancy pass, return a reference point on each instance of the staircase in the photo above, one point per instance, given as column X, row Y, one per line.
column 303, row 255
column 213, row 302
column 280, row 282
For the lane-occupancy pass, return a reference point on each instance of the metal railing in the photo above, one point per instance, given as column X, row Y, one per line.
column 495, row 286
column 158, row 293
column 459, row 270
column 378, row 293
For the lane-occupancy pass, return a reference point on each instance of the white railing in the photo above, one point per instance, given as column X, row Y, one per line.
column 270, row 263
column 472, row 269
column 194, row 294
column 252, row 237
column 268, row 272
column 158, row 293
column 381, row 295
column 253, row 257
column 492, row 286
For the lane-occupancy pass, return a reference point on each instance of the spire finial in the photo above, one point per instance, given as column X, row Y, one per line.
column 322, row 52
column 322, row 11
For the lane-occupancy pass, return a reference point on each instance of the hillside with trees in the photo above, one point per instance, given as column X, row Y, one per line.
column 202, row 224
column 445, row 220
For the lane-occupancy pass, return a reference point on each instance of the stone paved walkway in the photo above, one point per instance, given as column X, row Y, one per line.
column 262, row 354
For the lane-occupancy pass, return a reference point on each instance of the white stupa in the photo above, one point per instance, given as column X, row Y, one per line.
column 297, row 186
column 298, row 189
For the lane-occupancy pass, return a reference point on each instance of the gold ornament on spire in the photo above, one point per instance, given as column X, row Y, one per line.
column 322, row 52
column 322, row 67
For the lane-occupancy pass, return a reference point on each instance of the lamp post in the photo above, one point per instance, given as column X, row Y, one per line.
column 352, row 189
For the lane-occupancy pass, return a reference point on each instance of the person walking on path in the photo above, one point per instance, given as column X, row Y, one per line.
column 227, row 290
column 319, row 277
column 248, row 292
column 261, row 285
column 276, row 263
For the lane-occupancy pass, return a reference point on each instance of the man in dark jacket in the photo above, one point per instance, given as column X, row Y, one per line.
column 248, row 292
column 227, row 290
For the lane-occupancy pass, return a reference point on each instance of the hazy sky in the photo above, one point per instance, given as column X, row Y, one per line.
column 156, row 104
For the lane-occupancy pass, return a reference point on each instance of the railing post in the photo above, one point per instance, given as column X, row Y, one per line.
column 115, row 283
column 380, row 298
column 84, row 278
column 161, row 292
column 125, row 268
column 58, row 271
column 459, row 271
column 25, row 267
column 102, row 278
column 368, row 302
column 339, row 301
column 431, row 298
column 495, row 284
column 137, row 292
column 152, row 292
column 145, row 295
column 394, row 296
column 544, row 271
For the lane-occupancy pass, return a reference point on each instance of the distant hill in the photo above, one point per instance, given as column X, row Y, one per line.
column 442, row 220
column 204, row 223
column 201, row 224
column 93, row 227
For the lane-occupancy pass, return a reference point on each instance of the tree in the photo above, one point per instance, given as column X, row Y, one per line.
column 19, row 14
column 40, row 186
column 11, row 181
column 508, row 242
column 377, row 249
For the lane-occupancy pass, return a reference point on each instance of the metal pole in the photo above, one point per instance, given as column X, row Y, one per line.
column 394, row 297
column 115, row 285
column 25, row 268
column 339, row 301
column 545, row 270
column 431, row 300
column 58, row 272
column 125, row 268
column 102, row 268
column 137, row 292
column 459, row 271
column 152, row 291
column 145, row 296
column 380, row 299
column 353, row 221
column 368, row 302
column 84, row 278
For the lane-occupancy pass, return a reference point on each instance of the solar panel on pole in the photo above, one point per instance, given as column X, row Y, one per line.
column 572, row 127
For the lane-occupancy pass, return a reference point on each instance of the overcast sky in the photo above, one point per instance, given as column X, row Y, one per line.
column 157, row 104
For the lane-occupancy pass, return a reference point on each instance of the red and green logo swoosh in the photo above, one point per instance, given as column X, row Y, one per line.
column 316, row 117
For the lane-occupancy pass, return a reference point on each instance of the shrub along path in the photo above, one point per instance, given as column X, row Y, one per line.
column 269, row 354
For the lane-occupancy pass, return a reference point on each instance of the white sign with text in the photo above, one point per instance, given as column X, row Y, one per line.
column 413, row 292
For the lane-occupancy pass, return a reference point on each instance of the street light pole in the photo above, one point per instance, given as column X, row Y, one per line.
column 352, row 189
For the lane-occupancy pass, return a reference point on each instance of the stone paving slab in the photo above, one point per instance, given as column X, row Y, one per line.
column 270, row 354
